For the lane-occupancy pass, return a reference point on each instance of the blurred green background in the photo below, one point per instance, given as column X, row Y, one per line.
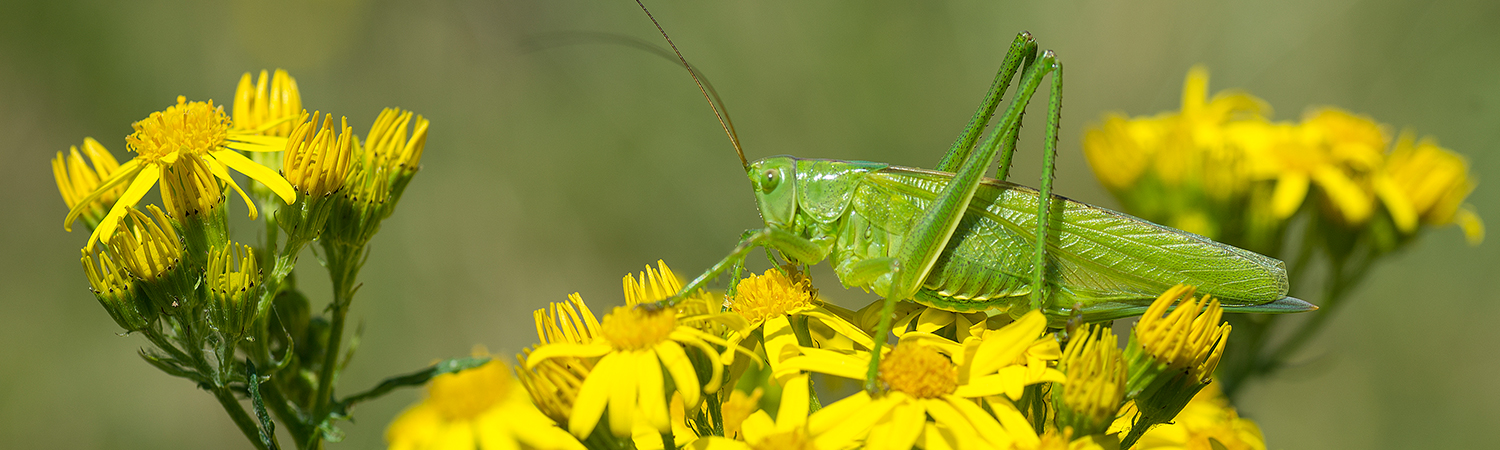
column 557, row 164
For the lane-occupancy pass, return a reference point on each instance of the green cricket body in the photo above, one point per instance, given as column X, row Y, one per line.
column 1111, row 264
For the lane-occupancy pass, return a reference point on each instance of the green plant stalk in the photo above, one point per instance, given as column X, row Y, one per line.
column 343, row 268
column 242, row 419
column 294, row 421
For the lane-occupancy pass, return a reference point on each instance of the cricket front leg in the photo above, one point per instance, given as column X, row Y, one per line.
column 791, row 245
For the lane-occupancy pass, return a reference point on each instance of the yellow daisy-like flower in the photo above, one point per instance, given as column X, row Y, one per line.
column 1095, row 367
column 479, row 408
column 187, row 128
column 76, row 180
column 929, row 397
column 1332, row 149
column 1421, row 182
column 789, row 431
column 768, row 302
column 1191, row 337
column 267, row 109
column 1207, row 422
column 633, row 344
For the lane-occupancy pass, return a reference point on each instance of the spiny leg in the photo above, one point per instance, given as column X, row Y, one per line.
column 930, row 233
column 1044, row 203
column 790, row 245
column 1022, row 52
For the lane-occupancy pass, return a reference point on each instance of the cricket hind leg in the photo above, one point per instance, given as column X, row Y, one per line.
column 1044, row 202
column 931, row 231
column 1020, row 56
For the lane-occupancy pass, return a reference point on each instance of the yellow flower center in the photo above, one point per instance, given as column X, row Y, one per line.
column 786, row 440
column 919, row 371
column 193, row 127
column 467, row 394
column 637, row 328
column 758, row 298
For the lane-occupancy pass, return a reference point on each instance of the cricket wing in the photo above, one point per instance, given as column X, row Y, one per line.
column 1098, row 257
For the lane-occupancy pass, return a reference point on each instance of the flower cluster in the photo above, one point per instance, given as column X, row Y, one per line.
column 1332, row 195
column 1221, row 168
column 172, row 274
column 652, row 375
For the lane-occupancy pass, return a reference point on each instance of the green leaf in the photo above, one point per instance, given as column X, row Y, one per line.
column 417, row 378
column 267, row 427
column 171, row 366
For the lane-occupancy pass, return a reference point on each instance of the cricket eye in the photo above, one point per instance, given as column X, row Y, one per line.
column 768, row 181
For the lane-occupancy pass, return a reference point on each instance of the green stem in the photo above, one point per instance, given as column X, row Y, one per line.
column 343, row 268
column 241, row 418
column 294, row 420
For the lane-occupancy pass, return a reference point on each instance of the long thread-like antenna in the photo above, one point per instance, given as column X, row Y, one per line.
column 728, row 128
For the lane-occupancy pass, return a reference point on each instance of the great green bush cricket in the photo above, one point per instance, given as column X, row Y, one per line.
column 950, row 238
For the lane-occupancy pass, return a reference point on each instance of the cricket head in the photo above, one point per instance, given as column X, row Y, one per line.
column 818, row 190
column 774, row 180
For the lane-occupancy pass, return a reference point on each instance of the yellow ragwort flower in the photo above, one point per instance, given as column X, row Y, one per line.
column 554, row 383
column 633, row 345
column 1191, row 337
column 1421, row 182
column 232, row 276
column 148, row 249
column 479, row 408
column 931, row 385
column 1207, row 420
column 267, row 110
column 1091, row 396
column 187, row 128
column 789, row 431
column 386, row 146
column 75, row 180
column 317, row 159
column 769, row 301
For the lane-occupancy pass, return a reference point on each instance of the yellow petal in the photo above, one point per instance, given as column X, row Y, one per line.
column 718, row 443
column 1015, row 424
column 126, row 174
column 696, row 338
column 132, row 195
column 944, row 414
column 848, row 366
column 592, row 396
column 561, row 349
column 217, row 169
column 936, row 437
column 1401, row 210
column 781, row 342
column 932, row 319
column 828, row 417
column 792, row 413
column 900, row 429
column 623, row 393
column 841, row 326
column 983, row 423
column 414, row 428
column 653, row 399
column 852, row 427
column 1351, row 200
column 257, row 143
column 1472, row 226
column 677, row 363
column 1291, row 189
column 758, row 426
column 1002, row 347
column 257, row 172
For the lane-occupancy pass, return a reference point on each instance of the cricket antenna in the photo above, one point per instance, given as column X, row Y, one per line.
column 720, row 113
